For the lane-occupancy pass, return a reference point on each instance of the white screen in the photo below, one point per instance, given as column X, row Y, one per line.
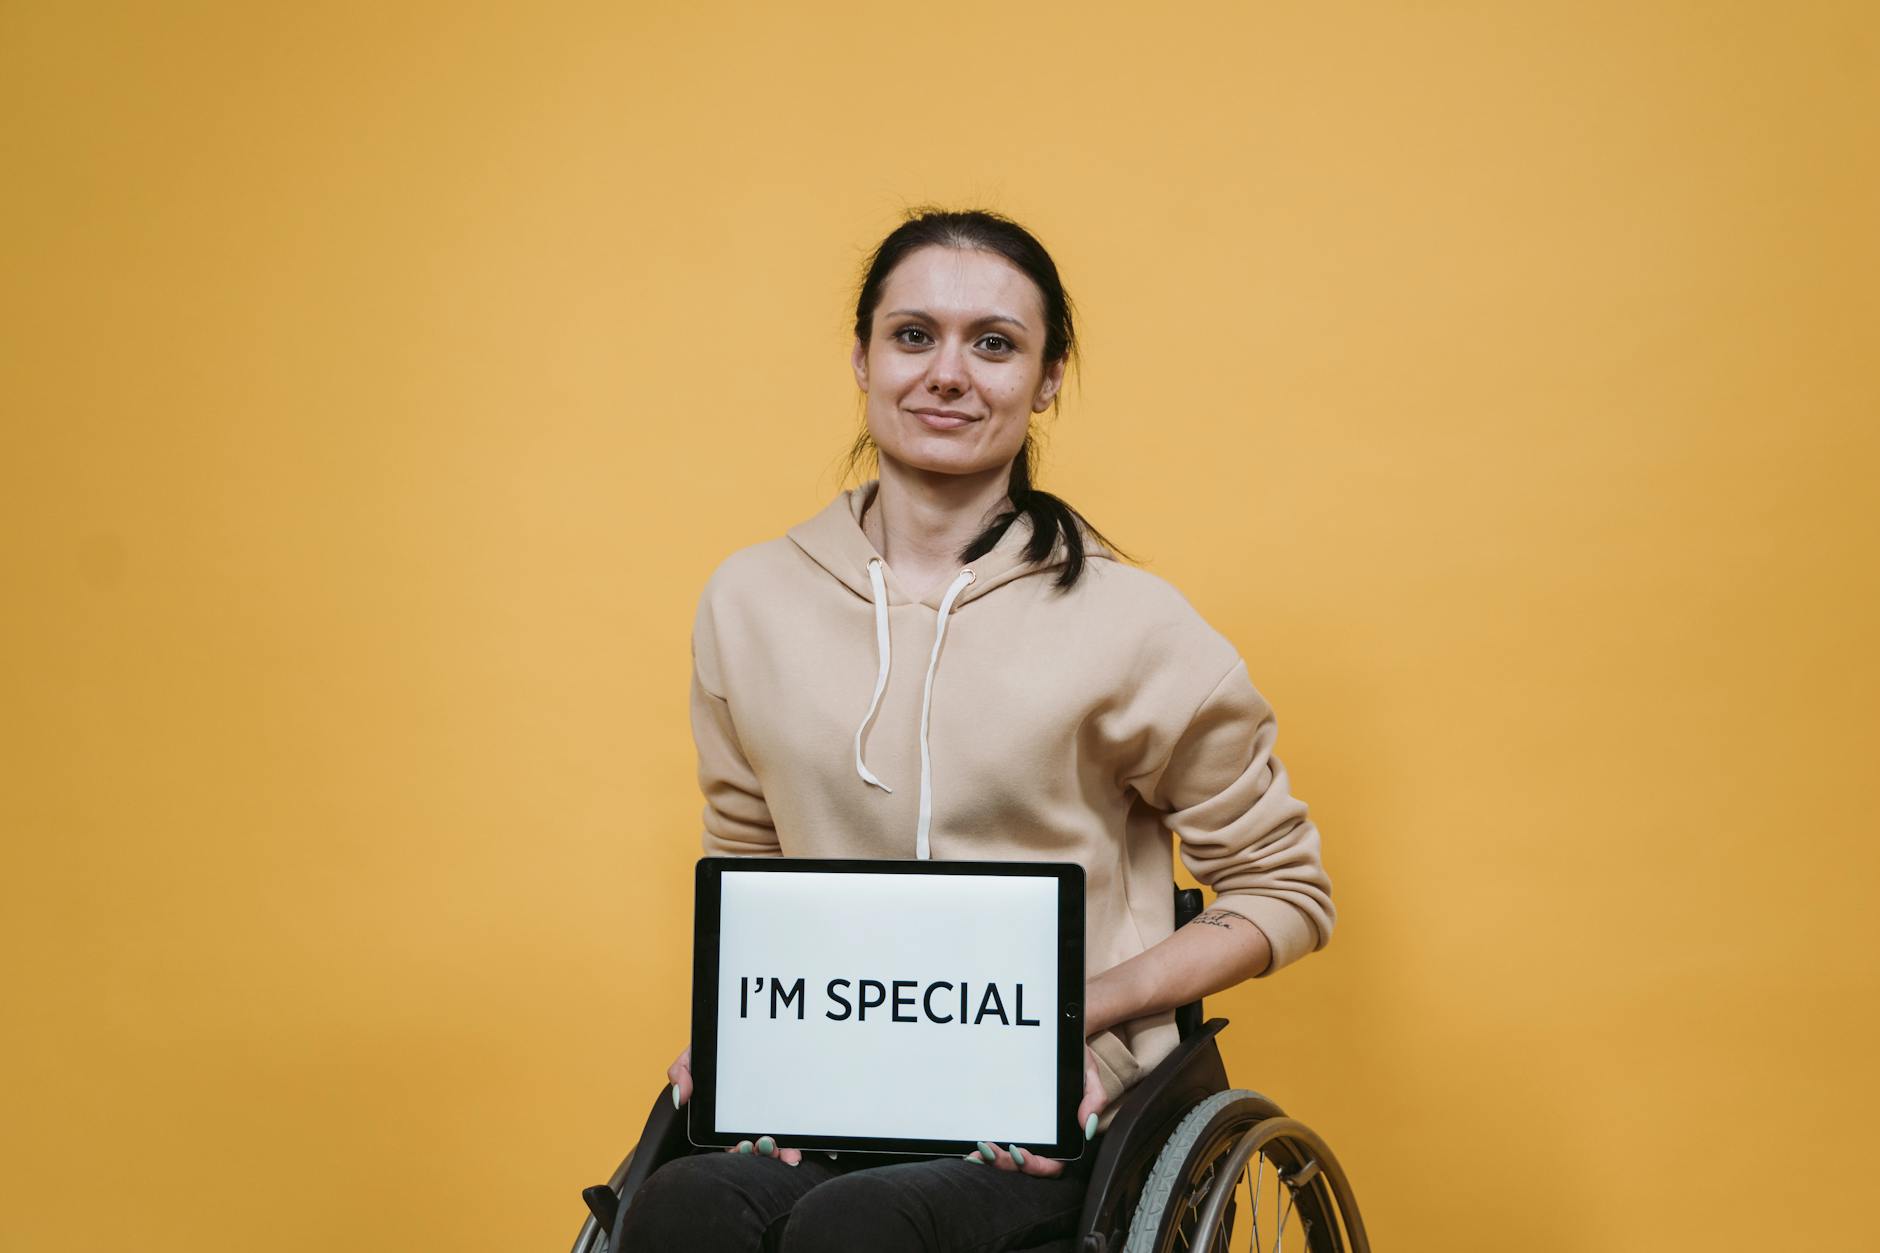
column 852, row 1075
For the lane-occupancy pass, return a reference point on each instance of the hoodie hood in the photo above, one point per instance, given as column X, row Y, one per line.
column 834, row 540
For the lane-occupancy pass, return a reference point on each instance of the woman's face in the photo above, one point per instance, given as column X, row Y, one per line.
column 954, row 367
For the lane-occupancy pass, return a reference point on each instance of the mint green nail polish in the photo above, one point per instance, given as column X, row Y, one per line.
column 744, row 1146
column 987, row 1150
column 766, row 1145
column 675, row 1096
column 974, row 1158
column 1090, row 1126
column 1018, row 1155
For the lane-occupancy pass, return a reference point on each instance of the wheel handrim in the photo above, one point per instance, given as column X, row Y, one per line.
column 1249, row 1158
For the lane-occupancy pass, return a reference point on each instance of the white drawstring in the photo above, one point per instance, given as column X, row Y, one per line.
column 926, row 697
column 881, row 672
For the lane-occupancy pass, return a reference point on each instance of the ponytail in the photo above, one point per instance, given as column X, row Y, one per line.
column 1050, row 516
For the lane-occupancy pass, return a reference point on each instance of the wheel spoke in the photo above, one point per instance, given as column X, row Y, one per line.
column 1260, row 1158
column 1291, row 1196
column 1253, row 1241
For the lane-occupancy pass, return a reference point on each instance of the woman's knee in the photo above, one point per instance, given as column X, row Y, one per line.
column 704, row 1201
column 863, row 1209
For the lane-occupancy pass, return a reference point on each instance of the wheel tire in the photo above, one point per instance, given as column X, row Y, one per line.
column 1170, row 1213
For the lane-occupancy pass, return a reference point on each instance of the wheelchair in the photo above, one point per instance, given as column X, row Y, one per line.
column 1169, row 1170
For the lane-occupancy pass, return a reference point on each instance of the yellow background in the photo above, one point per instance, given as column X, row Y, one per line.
column 381, row 383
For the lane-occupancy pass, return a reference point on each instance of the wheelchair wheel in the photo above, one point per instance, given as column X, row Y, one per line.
column 1296, row 1197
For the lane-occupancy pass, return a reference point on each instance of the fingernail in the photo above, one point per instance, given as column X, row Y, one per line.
column 788, row 1162
column 987, row 1150
column 744, row 1146
column 1090, row 1126
column 974, row 1158
column 1018, row 1155
column 766, row 1145
column 675, row 1096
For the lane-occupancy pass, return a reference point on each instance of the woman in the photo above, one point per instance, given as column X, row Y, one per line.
column 1080, row 710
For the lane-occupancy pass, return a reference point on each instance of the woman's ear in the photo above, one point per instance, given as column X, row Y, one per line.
column 1053, row 378
column 858, row 361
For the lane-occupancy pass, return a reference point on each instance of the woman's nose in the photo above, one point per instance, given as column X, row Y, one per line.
column 947, row 373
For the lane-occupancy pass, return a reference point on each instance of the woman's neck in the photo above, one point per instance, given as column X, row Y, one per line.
column 919, row 520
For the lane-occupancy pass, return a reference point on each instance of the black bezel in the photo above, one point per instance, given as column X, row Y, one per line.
column 1070, row 1008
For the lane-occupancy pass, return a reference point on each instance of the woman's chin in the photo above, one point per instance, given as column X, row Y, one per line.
column 941, row 457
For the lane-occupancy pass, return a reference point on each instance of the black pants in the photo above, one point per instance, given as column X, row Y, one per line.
column 718, row 1202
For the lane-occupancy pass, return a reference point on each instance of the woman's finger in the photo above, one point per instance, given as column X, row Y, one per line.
column 680, row 1072
column 1095, row 1098
column 1016, row 1159
column 1036, row 1163
column 766, row 1146
column 992, row 1153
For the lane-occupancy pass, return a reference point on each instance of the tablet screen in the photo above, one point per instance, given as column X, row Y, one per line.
column 863, row 1008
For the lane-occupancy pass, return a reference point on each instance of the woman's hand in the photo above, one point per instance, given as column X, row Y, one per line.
column 1033, row 1164
column 680, row 1072
column 767, row 1146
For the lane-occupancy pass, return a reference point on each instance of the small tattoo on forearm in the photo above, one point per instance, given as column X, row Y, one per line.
column 1217, row 918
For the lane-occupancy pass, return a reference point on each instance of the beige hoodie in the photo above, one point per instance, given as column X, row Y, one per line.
column 1000, row 719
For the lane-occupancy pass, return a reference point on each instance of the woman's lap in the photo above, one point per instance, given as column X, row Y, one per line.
column 716, row 1201
column 733, row 1201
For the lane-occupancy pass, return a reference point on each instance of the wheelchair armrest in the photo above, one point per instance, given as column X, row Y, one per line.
column 1187, row 908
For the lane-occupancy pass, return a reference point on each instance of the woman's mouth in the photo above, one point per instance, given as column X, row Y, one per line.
column 943, row 420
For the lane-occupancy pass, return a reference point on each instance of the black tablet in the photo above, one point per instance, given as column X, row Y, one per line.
column 888, row 1006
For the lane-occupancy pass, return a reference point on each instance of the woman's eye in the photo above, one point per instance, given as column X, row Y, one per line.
column 907, row 330
column 999, row 343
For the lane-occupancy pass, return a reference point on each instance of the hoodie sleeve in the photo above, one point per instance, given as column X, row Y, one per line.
column 1241, row 830
column 737, row 817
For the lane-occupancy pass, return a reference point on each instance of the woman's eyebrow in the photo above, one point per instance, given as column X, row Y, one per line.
column 982, row 321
